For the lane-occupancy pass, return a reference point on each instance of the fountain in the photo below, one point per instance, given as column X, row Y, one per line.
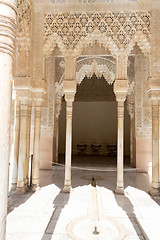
column 92, row 227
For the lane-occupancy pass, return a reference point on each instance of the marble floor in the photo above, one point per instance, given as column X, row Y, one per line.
column 47, row 213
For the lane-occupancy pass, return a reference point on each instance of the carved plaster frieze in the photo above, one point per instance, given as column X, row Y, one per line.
column 58, row 105
column 23, row 33
column 98, row 70
column 59, row 89
column 114, row 30
column 131, row 88
column 130, row 108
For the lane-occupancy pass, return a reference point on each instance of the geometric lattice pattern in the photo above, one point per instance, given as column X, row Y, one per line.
column 118, row 26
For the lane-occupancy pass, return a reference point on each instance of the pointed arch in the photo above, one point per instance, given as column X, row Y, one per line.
column 142, row 41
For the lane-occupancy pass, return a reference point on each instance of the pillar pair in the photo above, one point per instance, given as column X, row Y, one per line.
column 120, row 89
column 21, row 151
column 21, row 145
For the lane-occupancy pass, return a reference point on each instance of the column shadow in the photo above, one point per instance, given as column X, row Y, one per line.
column 15, row 200
column 59, row 203
column 127, row 207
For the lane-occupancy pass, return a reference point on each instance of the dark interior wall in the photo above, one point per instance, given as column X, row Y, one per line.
column 93, row 123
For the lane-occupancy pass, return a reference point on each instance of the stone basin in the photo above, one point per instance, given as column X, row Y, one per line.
column 83, row 228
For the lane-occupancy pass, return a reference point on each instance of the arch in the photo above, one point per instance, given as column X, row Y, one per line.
column 142, row 41
column 100, row 38
column 99, row 69
column 116, row 32
column 94, row 68
column 50, row 44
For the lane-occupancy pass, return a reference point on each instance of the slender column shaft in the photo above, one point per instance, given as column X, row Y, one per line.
column 16, row 144
column 28, row 143
column 7, row 34
column 120, row 182
column 23, row 145
column 57, row 138
column 69, row 109
column 36, row 147
column 132, row 142
column 155, row 144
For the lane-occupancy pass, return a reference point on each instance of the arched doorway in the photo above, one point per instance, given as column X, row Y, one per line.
column 94, row 126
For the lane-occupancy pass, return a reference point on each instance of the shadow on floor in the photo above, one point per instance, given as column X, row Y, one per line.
column 127, row 207
column 59, row 203
column 16, row 199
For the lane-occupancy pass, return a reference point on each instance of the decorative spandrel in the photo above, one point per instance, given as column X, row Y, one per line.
column 120, row 27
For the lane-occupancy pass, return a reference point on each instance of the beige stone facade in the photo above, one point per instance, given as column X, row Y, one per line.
column 57, row 52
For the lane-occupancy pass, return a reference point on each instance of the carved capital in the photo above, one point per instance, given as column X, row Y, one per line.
column 69, row 86
column 38, row 96
column 22, row 93
column 120, row 90
column 69, row 97
column 155, row 109
column 153, row 88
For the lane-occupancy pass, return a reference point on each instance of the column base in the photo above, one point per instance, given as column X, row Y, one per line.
column 27, row 187
column 13, row 187
column 35, row 188
column 155, row 185
column 21, row 190
column 119, row 191
column 66, row 189
column 154, row 192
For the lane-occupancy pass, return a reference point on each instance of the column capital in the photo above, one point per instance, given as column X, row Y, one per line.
column 153, row 88
column 69, row 97
column 22, row 94
column 69, row 86
column 120, row 90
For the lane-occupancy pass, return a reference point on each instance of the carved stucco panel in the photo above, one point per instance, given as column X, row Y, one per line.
column 114, row 30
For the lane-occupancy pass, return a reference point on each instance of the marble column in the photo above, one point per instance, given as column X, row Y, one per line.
column 15, row 145
column 155, row 144
column 36, row 146
column 23, row 146
column 68, row 152
column 57, row 137
column 132, row 134
column 7, row 37
column 120, row 147
column 28, row 143
column 132, row 142
column 58, row 107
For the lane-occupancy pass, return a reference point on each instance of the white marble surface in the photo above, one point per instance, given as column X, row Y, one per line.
column 45, row 215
